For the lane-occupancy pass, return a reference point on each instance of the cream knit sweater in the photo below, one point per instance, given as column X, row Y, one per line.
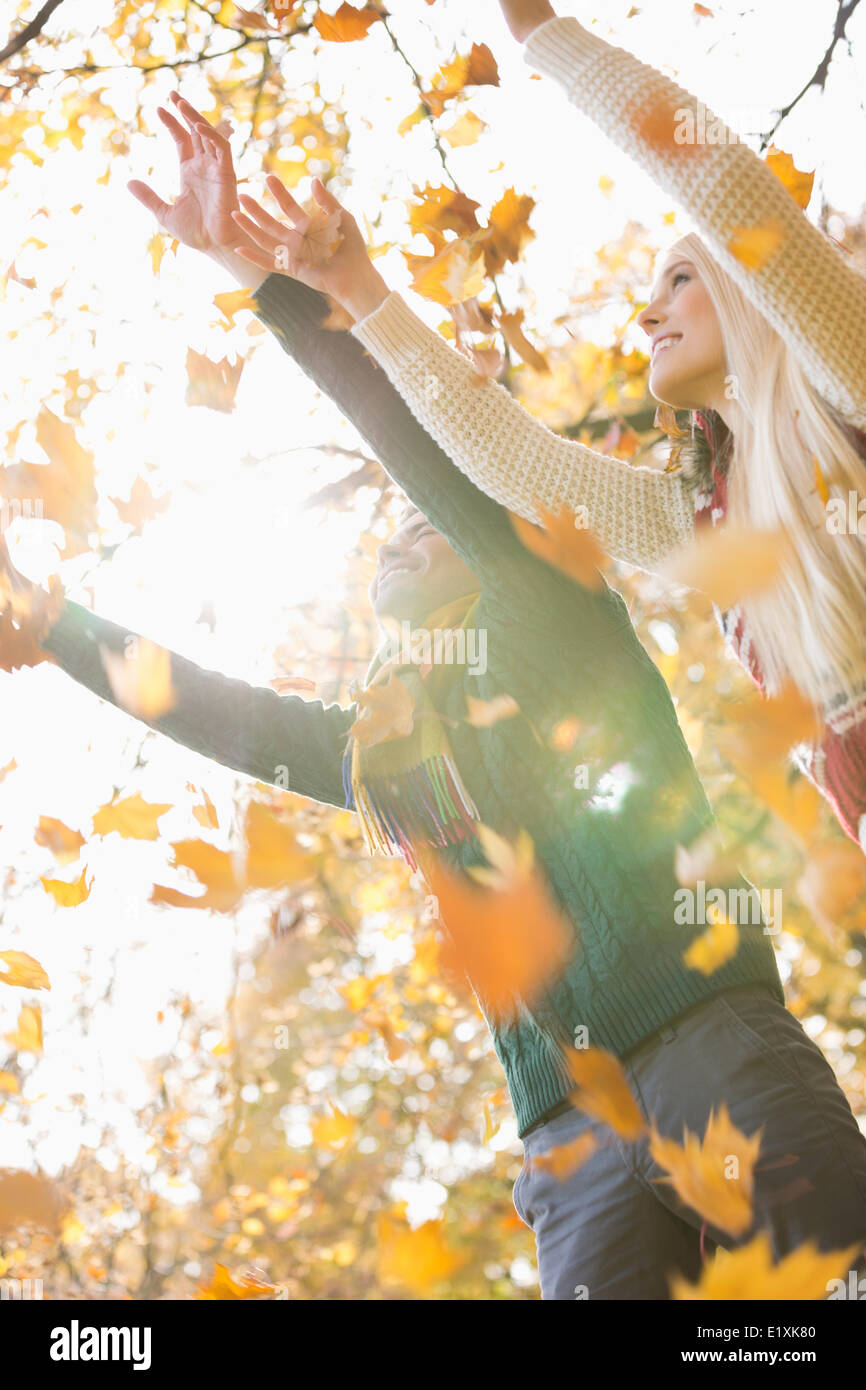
column 805, row 289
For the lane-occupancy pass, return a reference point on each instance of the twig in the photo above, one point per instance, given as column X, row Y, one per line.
column 30, row 31
column 819, row 76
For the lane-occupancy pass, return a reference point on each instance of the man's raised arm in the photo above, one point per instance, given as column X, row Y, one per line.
column 280, row 739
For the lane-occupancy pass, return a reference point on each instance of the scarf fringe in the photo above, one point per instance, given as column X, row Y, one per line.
column 427, row 803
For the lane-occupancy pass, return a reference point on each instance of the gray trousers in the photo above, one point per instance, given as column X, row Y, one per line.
column 613, row 1231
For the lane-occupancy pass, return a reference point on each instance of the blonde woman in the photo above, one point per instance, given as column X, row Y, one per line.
column 770, row 361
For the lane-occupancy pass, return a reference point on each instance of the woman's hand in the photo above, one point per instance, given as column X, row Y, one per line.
column 524, row 16
column 324, row 249
column 201, row 215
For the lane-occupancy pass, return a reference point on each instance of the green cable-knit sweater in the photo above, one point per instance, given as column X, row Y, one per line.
column 565, row 654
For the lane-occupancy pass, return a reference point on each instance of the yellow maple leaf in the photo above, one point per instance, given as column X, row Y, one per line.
column 65, row 844
column 231, row 302
column 604, row 1091
column 334, row 1131
column 798, row 183
column 715, row 1177
column 749, row 1273
column 755, row 246
column 133, row 818
column 140, row 678
column 565, row 1159
column 415, row 1259
column 68, row 894
column 28, row 1033
column 714, row 947
column 22, row 970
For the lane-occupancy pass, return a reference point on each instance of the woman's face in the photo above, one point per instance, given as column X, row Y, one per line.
column 687, row 353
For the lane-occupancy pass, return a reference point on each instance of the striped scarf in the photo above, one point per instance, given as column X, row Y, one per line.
column 408, row 790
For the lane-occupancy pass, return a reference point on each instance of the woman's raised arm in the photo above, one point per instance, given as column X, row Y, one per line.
column 796, row 277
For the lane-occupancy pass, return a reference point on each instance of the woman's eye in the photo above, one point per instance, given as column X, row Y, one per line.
column 680, row 275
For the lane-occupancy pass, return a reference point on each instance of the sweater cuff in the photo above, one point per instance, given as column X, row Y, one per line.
column 393, row 334
column 561, row 48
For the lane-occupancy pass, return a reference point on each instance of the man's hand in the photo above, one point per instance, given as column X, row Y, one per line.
column 524, row 16
column 201, row 215
column 324, row 249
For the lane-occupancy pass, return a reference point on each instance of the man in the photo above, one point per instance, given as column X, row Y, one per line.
column 592, row 766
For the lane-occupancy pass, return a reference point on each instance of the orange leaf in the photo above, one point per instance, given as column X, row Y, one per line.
column 510, row 940
column 749, row 1273
column 603, row 1091
column 68, row 894
column 347, row 25
column 23, row 971
column 798, row 183
column 755, row 246
column 565, row 1159
column 213, row 384
column 729, row 563
column 561, row 543
column 64, row 843
column 132, row 818
column 386, row 712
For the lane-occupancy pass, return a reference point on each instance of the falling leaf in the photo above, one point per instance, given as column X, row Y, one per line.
column 231, row 302
column 440, row 209
column 65, row 844
column 68, row 894
column 729, row 563
column 206, row 813
column 749, row 1273
column 483, row 714
column 10, row 1086
column 27, row 1199
column 702, row 11
column 453, row 274
column 714, row 947
column 560, row 542
column 511, row 941
column 755, row 246
column 565, row 1159
column 23, row 971
column 334, row 1131
column 322, row 236
column 833, row 882
column 512, row 329
column 140, row 678
column 212, row 384
column 213, row 867
column 10, row 767
column 273, row 856
column 347, row 25
column 821, row 482
column 508, row 230
column 141, row 504
column 715, row 1177
column 28, row 1034
column 604, row 1092
column 223, row 1285
column 415, row 1259
column 133, row 818
column 798, row 184
column 476, row 69
column 465, row 131
column 385, row 712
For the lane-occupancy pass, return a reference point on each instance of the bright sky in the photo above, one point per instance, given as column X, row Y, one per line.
column 236, row 534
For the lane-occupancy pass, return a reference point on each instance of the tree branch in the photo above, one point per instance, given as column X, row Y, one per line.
column 30, row 31
column 819, row 76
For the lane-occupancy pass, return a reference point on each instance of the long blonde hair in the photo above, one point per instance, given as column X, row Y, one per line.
column 786, row 447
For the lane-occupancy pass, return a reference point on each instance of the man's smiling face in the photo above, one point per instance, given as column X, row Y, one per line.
column 417, row 573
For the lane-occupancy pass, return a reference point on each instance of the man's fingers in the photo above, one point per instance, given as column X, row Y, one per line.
column 149, row 199
column 261, row 217
column 263, row 259
column 209, row 132
column 327, row 202
column 191, row 115
column 176, row 131
column 267, row 240
column 285, row 199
